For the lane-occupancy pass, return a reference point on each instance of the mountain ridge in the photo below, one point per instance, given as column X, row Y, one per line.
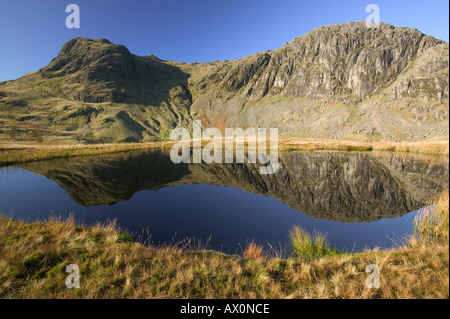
column 339, row 81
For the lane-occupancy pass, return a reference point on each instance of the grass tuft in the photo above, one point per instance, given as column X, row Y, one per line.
column 254, row 251
column 309, row 247
column 432, row 222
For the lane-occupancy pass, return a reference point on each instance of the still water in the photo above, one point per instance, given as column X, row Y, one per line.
column 359, row 200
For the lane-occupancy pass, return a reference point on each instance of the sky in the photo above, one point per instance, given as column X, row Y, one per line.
column 32, row 32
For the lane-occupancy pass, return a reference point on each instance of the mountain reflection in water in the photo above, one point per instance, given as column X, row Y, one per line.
column 335, row 186
column 358, row 199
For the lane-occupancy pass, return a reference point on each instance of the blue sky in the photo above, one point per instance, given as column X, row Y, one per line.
column 33, row 31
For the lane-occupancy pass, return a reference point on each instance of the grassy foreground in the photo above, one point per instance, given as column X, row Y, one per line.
column 15, row 153
column 33, row 258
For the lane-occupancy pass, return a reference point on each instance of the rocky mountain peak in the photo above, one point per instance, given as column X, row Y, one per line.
column 330, row 61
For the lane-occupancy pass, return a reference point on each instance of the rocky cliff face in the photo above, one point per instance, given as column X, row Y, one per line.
column 339, row 81
column 331, row 61
column 336, row 81
column 325, row 185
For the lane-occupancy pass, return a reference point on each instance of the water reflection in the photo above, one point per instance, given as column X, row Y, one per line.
column 334, row 186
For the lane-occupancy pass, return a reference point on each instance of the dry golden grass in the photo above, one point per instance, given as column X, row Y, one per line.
column 431, row 147
column 254, row 251
column 14, row 153
column 33, row 258
column 437, row 146
column 431, row 223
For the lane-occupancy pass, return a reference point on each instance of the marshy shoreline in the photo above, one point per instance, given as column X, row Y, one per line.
column 34, row 257
column 16, row 153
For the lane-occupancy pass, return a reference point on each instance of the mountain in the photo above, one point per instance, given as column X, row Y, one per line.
column 338, row 81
